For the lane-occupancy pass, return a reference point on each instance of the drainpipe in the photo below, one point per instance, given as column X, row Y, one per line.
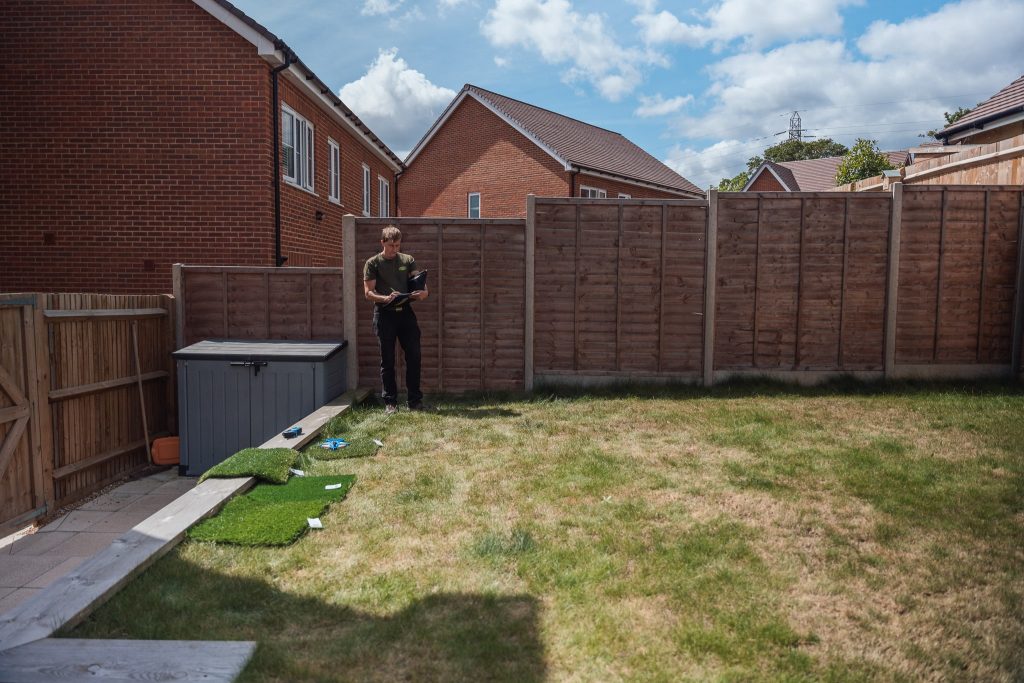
column 289, row 59
column 572, row 183
column 397, row 176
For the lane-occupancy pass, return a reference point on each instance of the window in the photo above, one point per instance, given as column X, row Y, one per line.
column 474, row 205
column 384, row 198
column 334, row 171
column 592, row 192
column 623, row 195
column 366, row 190
column 297, row 148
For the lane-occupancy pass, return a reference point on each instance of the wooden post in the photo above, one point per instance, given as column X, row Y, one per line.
column 938, row 283
column 893, row 280
column 439, row 282
column 349, row 283
column 168, row 343
column 531, row 254
column 41, row 414
column 1018, row 296
column 179, row 302
column 618, row 290
column 576, row 294
column 710, row 262
column 842, row 281
column 483, row 306
column 142, row 393
column 799, row 286
column 661, row 286
column 757, row 278
column 981, row 285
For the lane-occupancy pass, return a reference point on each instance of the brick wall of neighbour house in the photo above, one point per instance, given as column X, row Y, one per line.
column 766, row 182
column 305, row 240
column 108, row 181
column 614, row 188
column 476, row 151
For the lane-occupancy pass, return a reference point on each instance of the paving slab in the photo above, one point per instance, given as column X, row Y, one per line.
column 18, row 572
column 76, row 520
column 37, row 544
column 60, row 570
column 115, row 500
column 84, row 543
column 17, row 597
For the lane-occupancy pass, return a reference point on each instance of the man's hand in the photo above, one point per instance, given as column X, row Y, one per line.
column 389, row 298
column 418, row 295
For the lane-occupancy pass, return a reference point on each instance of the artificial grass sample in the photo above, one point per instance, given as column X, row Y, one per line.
column 272, row 514
column 267, row 464
column 360, row 447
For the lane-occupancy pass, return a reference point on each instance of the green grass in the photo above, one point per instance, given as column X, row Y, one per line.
column 751, row 532
column 272, row 514
column 266, row 464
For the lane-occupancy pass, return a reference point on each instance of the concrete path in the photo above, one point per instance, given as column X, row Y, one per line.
column 32, row 562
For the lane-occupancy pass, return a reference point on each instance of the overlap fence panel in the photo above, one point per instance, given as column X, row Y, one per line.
column 233, row 302
column 958, row 275
column 473, row 324
column 801, row 281
column 620, row 287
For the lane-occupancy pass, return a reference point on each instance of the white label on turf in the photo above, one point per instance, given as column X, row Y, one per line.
column 314, row 523
column 331, row 487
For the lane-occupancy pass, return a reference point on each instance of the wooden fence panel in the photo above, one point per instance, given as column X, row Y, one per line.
column 862, row 316
column 736, row 277
column 999, row 284
column 681, row 338
column 778, row 283
column 232, row 302
column 473, row 325
column 555, row 273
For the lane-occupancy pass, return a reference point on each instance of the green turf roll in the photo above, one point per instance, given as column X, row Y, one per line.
column 266, row 464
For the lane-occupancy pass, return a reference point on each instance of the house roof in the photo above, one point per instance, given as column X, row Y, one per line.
column 1006, row 102
column 813, row 175
column 575, row 144
column 276, row 51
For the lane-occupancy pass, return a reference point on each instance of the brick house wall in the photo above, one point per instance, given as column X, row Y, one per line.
column 766, row 182
column 477, row 151
column 139, row 134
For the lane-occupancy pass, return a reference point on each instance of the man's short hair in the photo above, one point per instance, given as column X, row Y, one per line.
column 391, row 234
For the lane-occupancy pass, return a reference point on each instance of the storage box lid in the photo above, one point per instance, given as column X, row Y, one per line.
column 213, row 349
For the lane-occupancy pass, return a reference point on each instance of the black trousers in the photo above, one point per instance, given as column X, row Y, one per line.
column 401, row 325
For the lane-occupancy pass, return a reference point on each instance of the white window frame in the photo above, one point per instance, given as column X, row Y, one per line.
column 469, row 205
column 301, row 145
column 383, row 197
column 333, row 171
column 592, row 192
column 623, row 195
column 366, row 190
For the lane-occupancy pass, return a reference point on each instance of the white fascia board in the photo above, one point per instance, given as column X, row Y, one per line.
column 299, row 78
column 264, row 46
column 501, row 115
column 991, row 125
column 637, row 183
column 764, row 166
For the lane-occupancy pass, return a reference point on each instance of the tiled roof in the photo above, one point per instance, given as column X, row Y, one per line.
column 818, row 175
column 313, row 78
column 1009, row 100
column 584, row 145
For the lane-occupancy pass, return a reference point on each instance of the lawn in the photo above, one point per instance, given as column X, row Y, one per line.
column 752, row 532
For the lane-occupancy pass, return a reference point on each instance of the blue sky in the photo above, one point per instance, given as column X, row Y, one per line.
column 700, row 85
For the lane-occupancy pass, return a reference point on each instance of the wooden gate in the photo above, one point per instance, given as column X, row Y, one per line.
column 25, row 483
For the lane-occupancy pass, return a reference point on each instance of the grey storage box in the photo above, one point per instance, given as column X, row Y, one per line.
column 236, row 394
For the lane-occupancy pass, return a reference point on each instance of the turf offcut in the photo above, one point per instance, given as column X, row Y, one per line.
column 266, row 464
column 272, row 514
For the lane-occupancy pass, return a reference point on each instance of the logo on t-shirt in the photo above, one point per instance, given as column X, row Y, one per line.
column 401, row 268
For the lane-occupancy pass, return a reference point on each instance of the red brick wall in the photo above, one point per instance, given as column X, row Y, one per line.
column 138, row 134
column 475, row 151
column 305, row 240
column 766, row 182
column 613, row 188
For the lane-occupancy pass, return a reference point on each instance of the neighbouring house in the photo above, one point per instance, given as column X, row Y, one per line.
column 808, row 175
column 486, row 152
column 140, row 134
column 1000, row 117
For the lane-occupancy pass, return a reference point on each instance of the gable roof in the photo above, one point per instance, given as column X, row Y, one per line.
column 813, row 175
column 578, row 146
column 275, row 51
column 1005, row 103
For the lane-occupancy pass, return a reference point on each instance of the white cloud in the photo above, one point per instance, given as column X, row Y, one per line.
column 500, row 61
column 659, row 106
column 894, row 84
column 397, row 102
column 706, row 167
column 563, row 36
column 413, row 16
column 374, row 7
column 759, row 23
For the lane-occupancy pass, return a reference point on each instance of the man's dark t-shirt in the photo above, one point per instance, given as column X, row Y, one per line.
column 391, row 275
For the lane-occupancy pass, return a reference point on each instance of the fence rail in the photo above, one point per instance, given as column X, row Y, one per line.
column 85, row 386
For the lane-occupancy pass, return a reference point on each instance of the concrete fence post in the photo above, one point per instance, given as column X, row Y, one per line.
column 349, row 282
column 892, row 282
column 531, row 254
column 710, row 258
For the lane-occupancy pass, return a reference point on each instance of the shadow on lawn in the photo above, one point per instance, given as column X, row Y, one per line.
column 442, row 637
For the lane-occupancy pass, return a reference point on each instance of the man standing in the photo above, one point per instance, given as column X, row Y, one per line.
column 386, row 276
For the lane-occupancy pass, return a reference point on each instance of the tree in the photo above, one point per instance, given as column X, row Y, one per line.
column 863, row 161
column 788, row 150
column 951, row 118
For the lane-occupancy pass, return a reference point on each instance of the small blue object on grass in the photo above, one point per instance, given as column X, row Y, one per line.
column 291, row 432
column 334, row 444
